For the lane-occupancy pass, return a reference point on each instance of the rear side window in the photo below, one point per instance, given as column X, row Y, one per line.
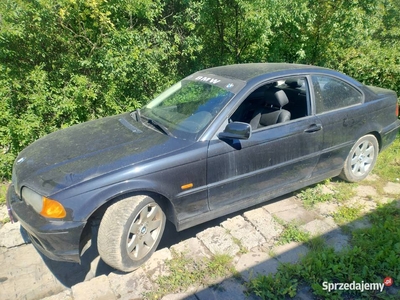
column 331, row 93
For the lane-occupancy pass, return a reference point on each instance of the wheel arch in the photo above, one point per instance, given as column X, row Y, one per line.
column 378, row 138
column 95, row 217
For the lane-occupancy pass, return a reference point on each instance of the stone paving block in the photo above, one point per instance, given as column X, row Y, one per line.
column 3, row 213
column 96, row 289
column 244, row 232
column 326, row 208
column 282, row 205
column 317, row 227
column 24, row 275
column 156, row 266
column 290, row 253
column 360, row 223
column 192, row 247
column 252, row 264
column 218, row 241
column 65, row 295
column 372, row 177
column 298, row 215
column 366, row 205
column 263, row 221
column 11, row 235
column 229, row 289
column 392, row 188
column 180, row 296
column 366, row 191
column 337, row 239
column 130, row 286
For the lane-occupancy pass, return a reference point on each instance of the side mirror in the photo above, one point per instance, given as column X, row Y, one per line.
column 236, row 131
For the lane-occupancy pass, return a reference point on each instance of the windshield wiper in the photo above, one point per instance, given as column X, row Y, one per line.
column 158, row 126
column 137, row 114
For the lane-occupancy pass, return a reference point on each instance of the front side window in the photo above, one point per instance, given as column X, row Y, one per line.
column 331, row 93
column 186, row 108
column 275, row 102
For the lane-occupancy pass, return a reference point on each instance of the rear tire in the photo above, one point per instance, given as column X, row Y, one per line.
column 130, row 232
column 361, row 159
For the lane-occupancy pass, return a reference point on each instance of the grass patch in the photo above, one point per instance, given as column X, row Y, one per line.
column 335, row 190
column 3, row 193
column 313, row 195
column 292, row 233
column 388, row 162
column 185, row 272
column 343, row 190
column 347, row 214
column 373, row 256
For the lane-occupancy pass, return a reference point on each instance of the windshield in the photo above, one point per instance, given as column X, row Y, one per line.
column 186, row 108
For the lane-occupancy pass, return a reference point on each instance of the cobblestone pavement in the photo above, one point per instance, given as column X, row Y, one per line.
column 249, row 236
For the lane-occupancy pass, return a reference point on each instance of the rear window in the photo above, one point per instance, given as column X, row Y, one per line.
column 332, row 93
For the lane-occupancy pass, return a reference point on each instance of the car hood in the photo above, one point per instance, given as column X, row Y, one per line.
column 88, row 150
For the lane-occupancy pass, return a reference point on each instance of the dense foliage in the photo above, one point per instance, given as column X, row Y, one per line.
column 67, row 61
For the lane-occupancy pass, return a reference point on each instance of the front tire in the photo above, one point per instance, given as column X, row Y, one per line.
column 130, row 232
column 361, row 159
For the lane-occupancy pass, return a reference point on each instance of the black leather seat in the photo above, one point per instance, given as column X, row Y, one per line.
column 272, row 112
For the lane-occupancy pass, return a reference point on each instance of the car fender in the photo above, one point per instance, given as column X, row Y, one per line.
column 85, row 204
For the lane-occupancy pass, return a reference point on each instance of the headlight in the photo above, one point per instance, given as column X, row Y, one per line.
column 48, row 208
column 33, row 199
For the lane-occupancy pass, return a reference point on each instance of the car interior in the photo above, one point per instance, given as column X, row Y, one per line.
column 275, row 102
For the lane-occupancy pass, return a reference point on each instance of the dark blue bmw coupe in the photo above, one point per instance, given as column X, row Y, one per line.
column 218, row 141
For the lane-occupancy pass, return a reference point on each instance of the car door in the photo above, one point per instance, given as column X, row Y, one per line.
column 273, row 160
column 337, row 105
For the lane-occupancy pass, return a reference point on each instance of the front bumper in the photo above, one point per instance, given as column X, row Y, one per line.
column 56, row 239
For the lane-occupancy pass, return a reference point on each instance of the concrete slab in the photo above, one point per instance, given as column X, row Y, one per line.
column 360, row 223
column 3, row 213
column 366, row 191
column 263, row 221
column 298, row 215
column 24, row 275
column 337, row 239
column 250, row 265
column 130, row 286
column 290, row 253
column 229, row 289
column 392, row 188
column 242, row 230
column 11, row 235
column 156, row 266
column 180, row 296
column 366, row 204
column 95, row 289
column 317, row 227
column 326, row 208
column 218, row 241
column 372, row 177
column 192, row 248
column 282, row 205
column 66, row 295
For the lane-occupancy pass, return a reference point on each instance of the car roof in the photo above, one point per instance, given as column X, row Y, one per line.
column 249, row 71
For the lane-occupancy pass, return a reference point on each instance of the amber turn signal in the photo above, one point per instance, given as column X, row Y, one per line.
column 187, row 186
column 52, row 209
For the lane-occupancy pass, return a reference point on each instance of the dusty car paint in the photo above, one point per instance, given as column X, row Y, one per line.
column 197, row 178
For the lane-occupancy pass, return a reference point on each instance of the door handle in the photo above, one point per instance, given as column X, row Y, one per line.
column 313, row 128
